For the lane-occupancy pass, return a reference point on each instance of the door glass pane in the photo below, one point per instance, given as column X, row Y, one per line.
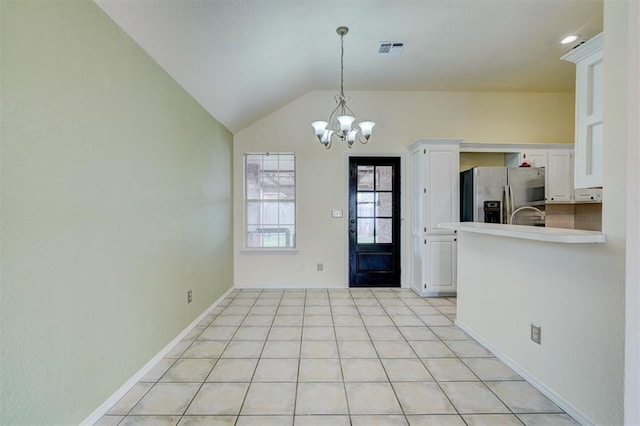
column 365, row 178
column 365, row 204
column 384, row 204
column 384, row 232
column 365, row 231
column 384, row 178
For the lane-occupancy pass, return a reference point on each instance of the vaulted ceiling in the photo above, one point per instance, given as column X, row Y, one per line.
column 242, row 59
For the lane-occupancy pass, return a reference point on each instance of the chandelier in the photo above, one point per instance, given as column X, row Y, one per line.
column 342, row 118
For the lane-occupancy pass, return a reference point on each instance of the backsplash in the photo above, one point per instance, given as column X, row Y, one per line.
column 586, row 216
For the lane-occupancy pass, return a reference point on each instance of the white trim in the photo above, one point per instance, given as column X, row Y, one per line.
column 512, row 148
column 583, row 50
column 559, row 401
column 126, row 387
column 268, row 251
column 420, row 142
column 277, row 287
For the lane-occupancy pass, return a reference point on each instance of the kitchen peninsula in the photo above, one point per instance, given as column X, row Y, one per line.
column 511, row 277
column 551, row 235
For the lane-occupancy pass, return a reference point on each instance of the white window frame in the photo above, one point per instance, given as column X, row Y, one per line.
column 268, row 249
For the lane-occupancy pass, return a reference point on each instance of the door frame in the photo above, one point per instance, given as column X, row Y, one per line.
column 404, row 237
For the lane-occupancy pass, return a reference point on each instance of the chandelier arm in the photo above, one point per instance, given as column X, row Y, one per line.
column 333, row 119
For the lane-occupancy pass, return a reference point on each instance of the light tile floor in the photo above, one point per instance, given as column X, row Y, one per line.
column 332, row 357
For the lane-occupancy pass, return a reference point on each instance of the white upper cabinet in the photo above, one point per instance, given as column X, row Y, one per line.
column 441, row 180
column 436, row 184
column 589, row 102
column 532, row 157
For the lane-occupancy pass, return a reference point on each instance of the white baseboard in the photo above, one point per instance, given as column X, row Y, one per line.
column 559, row 401
column 117, row 395
column 262, row 286
column 430, row 293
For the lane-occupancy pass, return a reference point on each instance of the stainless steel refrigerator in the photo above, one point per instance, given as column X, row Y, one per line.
column 493, row 194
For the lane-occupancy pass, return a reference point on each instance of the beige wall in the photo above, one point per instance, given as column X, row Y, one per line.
column 575, row 292
column 402, row 118
column 469, row 160
column 116, row 199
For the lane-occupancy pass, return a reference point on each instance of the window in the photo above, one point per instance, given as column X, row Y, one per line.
column 270, row 200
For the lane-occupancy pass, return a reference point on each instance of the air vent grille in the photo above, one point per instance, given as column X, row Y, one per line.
column 391, row 48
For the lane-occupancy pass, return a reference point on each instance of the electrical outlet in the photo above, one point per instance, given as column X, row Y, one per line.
column 189, row 296
column 536, row 333
column 320, row 267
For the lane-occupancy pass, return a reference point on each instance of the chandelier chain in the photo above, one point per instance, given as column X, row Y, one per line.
column 342, row 65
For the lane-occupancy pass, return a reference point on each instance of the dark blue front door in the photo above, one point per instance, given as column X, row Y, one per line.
column 374, row 222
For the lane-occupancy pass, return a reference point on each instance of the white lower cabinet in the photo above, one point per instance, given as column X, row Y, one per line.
column 439, row 269
column 588, row 195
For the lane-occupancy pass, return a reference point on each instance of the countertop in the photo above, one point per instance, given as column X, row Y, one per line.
column 552, row 235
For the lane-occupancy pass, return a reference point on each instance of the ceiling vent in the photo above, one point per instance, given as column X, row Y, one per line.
column 391, row 48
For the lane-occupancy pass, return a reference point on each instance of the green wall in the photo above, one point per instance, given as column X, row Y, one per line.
column 116, row 199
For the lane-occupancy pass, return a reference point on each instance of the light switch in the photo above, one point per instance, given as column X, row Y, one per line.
column 336, row 213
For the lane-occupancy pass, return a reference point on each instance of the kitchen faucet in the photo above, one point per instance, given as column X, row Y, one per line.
column 540, row 212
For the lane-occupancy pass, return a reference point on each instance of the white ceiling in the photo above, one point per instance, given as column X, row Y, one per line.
column 242, row 59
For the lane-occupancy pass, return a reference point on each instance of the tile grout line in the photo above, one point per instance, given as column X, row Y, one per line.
column 344, row 383
column 214, row 364
column 295, row 396
column 435, row 381
column 244, row 399
column 384, row 303
column 404, row 414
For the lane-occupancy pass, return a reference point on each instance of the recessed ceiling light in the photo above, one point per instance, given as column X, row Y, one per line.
column 569, row 39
